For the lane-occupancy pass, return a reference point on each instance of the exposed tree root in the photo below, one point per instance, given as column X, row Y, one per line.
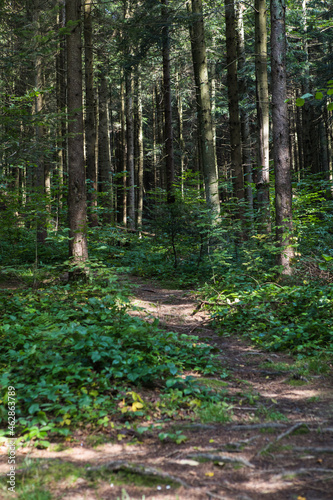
column 292, row 429
column 221, row 458
column 142, row 470
column 310, row 449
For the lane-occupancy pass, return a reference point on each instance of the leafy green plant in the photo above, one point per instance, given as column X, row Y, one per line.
column 73, row 352
column 177, row 437
column 220, row 412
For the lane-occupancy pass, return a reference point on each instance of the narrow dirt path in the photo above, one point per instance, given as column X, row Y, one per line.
column 282, row 423
column 279, row 444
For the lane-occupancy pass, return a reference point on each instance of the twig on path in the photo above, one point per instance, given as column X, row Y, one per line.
column 292, row 429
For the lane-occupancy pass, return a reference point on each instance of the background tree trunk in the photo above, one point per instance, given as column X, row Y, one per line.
column 282, row 167
column 104, row 150
column 77, row 212
column 244, row 115
column 262, row 100
column 90, row 122
column 197, row 33
column 130, row 150
column 232, row 82
column 168, row 132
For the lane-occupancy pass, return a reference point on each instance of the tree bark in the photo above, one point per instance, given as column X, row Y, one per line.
column 168, row 132
column 282, row 167
column 104, row 151
column 181, row 142
column 123, row 150
column 39, row 178
column 244, row 115
column 197, row 34
column 262, row 115
column 90, row 122
column 139, row 159
column 61, row 106
column 77, row 211
column 130, row 150
column 232, row 82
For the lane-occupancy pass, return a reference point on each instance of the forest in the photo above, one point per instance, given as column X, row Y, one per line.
column 166, row 239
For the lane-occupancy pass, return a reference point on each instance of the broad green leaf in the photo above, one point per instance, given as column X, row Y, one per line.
column 34, row 408
column 300, row 101
column 319, row 95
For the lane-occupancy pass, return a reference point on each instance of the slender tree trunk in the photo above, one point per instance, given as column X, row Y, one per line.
column 213, row 101
column 61, row 105
column 160, row 134
column 168, row 133
column 130, row 149
column 299, row 140
column 77, row 210
column 90, row 122
column 232, row 82
column 197, row 34
column 104, row 151
column 262, row 114
column 244, row 116
column 139, row 152
column 123, row 150
column 155, row 133
column 283, row 196
column 40, row 132
column 181, row 142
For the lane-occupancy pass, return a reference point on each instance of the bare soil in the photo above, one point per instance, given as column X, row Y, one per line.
column 291, row 459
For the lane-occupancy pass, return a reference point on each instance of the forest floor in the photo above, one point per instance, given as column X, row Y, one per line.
column 278, row 445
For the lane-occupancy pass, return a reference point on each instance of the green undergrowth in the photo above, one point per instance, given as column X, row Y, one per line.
column 41, row 479
column 35, row 478
column 297, row 318
column 74, row 355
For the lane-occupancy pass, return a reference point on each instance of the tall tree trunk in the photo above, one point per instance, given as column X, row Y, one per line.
column 130, row 149
column 232, row 82
column 262, row 114
column 40, row 132
column 181, row 142
column 160, row 134
column 123, row 150
column 244, row 115
column 104, row 151
column 168, row 133
column 139, row 159
column 90, row 122
column 155, row 134
column 282, row 168
column 61, row 105
column 77, row 210
column 197, row 34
